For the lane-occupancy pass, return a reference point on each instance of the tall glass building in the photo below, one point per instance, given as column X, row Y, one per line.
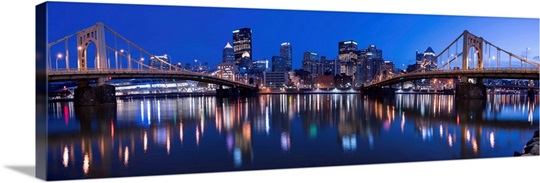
column 278, row 64
column 160, row 62
column 286, row 54
column 372, row 60
column 242, row 45
column 228, row 54
column 348, row 57
column 311, row 63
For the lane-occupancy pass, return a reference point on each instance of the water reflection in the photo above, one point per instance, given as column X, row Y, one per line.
column 65, row 157
column 145, row 141
column 126, row 156
column 285, row 141
column 182, row 135
column 86, row 164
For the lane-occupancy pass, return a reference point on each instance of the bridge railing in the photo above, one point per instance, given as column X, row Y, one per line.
column 134, row 71
column 93, row 70
column 125, row 71
column 470, row 70
column 493, row 69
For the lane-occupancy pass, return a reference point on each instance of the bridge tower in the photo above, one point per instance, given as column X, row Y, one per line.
column 94, row 34
column 472, row 41
column 103, row 93
column 464, row 89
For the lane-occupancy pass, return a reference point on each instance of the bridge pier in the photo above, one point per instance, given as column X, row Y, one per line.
column 471, row 91
column 103, row 93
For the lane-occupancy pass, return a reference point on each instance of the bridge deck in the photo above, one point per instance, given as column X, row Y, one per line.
column 66, row 75
column 477, row 73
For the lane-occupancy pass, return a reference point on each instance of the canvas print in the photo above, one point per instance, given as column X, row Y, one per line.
column 140, row 90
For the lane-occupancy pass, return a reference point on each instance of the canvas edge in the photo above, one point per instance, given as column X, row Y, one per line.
column 42, row 82
column 41, row 91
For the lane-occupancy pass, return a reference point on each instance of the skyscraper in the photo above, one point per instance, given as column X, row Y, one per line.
column 228, row 54
column 422, row 60
column 429, row 57
column 348, row 57
column 371, row 61
column 425, row 58
column 328, row 66
column 347, row 46
column 158, row 62
column 259, row 68
column 261, row 65
column 278, row 64
column 387, row 69
column 286, row 54
column 242, row 45
column 311, row 63
column 226, row 71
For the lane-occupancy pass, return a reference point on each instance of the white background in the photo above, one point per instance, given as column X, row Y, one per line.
column 17, row 100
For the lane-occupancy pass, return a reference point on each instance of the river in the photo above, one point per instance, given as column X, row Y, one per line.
column 156, row 136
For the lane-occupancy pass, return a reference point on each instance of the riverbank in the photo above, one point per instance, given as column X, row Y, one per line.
column 531, row 148
column 165, row 95
column 144, row 96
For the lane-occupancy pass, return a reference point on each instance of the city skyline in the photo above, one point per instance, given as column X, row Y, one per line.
column 21, row 36
column 187, row 38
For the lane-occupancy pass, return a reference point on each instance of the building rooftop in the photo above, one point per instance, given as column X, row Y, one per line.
column 429, row 50
column 228, row 45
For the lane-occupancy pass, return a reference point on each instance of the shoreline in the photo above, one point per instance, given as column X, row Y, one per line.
column 531, row 147
column 200, row 94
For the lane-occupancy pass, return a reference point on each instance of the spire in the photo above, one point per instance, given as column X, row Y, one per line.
column 429, row 50
column 228, row 45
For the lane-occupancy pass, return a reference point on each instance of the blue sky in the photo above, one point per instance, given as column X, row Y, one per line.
column 189, row 33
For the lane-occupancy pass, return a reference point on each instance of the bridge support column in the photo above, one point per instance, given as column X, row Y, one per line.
column 87, row 95
column 479, row 80
column 464, row 79
column 471, row 91
column 102, row 81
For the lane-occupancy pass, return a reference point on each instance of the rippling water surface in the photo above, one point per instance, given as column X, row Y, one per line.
column 205, row 134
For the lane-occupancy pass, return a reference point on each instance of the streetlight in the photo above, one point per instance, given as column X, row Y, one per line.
column 121, row 52
column 128, row 57
column 492, row 58
column 178, row 66
column 526, row 56
column 196, row 64
column 59, row 56
column 140, row 63
column 443, row 63
column 450, row 61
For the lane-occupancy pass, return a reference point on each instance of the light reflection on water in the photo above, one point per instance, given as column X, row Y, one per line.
column 201, row 134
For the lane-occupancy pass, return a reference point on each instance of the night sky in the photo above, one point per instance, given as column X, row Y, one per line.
column 189, row 33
